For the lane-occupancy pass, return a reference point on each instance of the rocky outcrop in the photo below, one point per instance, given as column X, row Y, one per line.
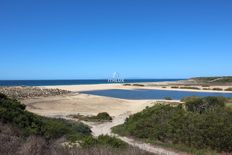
column 21, row 92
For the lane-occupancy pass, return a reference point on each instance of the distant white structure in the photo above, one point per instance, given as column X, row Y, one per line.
column 116, row 78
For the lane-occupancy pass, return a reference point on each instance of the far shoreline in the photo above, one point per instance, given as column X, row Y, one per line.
column 91, row 87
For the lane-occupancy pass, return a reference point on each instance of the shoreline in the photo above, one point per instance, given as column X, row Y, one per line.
column 92, row 87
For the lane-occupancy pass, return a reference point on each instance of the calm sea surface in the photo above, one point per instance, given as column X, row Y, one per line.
column 70, row 82
column 145, row 94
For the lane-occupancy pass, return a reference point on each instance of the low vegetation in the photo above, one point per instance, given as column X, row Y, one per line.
column 205, row 104
column 139, row 85
column 25, row 133
column 188, row 87
column 205, row 85
column 228, row 89
column 134, row 84
column 213, row 80
column 13, row 112
column 218, row 89
column 199, row 124
column 101, row 117
column 127, row 84
column 174, row 87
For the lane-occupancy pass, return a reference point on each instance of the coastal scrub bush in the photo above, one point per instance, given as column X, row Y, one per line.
column 139, row 85
column 204, row 104
column 104, row 116
column 13, row 112
column 174, row 87
column 100, row 117
column 188, row 87
column 168, row 124
column 205, row 85
column 126, row 84
column 228, row 89
column 111, row 141
column 218, row 89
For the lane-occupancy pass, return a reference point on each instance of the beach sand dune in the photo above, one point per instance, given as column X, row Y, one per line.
column 83, row 104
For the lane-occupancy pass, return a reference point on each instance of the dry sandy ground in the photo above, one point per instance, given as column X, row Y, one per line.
column 83, row 104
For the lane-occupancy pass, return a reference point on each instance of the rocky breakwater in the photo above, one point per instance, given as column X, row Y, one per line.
column 21, row 92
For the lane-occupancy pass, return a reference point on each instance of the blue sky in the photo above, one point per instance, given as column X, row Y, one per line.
column 52, row 39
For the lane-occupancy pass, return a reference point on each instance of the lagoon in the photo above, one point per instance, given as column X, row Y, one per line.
column 148, row 94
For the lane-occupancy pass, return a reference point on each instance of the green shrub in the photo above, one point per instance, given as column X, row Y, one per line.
column 218, row 89
column 126, row 84
column 12, row 111
column 104, row 116
column 206, row 89
column 139, row 85
column 104, row 140
column 89, row 141
column 174, row 87
column 174, row 125
column 111, row 141
column 204, row 104
column 188, row 87
column 205, row 85
column 228, row 89
column 101, row 117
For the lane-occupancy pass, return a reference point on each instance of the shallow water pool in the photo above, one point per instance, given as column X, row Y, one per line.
column 147, row 94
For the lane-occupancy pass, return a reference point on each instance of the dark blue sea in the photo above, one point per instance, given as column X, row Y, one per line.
column 71, row 82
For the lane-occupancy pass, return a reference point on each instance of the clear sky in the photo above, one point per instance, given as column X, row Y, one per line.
column 77, row 39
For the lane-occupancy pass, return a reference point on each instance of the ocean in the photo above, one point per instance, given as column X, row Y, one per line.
column 72, row 82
